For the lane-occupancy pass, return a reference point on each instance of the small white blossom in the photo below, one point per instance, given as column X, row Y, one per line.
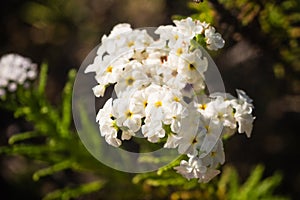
column 120, row 29
column 172, row 141
column 168, row 35
column 174, row 114
column 99, row 90
column 192, row 66
column 109, row 131
column 221, row 111
column 107, row 125
column 158, row 99
column 215, row 157
column 127, row 114
column 194, row 169
column 105, row 112
column 133, row 78
column 214, row 40
column 191, row 135
column 15, row 70
column 189, row 27
column 153, row 129
column 243, row 112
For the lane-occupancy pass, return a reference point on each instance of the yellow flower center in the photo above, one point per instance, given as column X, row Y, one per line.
column 194, row 140
column 176, row 99
column 179, row 51
column 207, row 129
column 191, row 67
column 130, row 44
column 176, row 37
column 145, row 103
column 128, row 114
column 174, row 73
column 202, row 106
column 158, row 104
column 213, row 154
column 109, row 69
column 129, row 81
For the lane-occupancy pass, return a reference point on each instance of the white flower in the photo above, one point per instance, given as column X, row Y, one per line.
column 159, row 98
column 172, row 141
column 188, row 27
column 109, row 72
column 127, row 114
column 139, row 100
column 12, row 87
column 192, row 66
column 32, row 73
column 120, row 29
column 132, row 79
column 132, row 40
column 153, row 129
column 188, row 169
column 168, row 35
column 170, row 75
column 214, row 40
column 213, row 132
column 244, row 119
column 221, row 111
column 191, row 134
column 175, row 112
column 116, row 38
column 107, row 125
column 126, row 133
column 180, row 47
column 243, row 96
column 215, row 157
column 15, row 70
column 105, row 112
column 194, row 169
column 243, row 112
column 99, row 90
column 109, row 131
column 201, row 103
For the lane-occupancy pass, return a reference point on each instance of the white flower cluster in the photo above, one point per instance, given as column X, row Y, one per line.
column 160, row 93
column 15, row 70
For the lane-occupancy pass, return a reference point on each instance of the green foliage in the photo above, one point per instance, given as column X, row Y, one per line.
column 53, row 144
column 279, row 24
column 203, row 12
column 255, row 187
column 69, row 193
column 227, row 186
column 267, row 24
column 60, row 149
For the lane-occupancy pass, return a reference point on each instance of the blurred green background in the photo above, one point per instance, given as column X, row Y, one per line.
column 261, row 56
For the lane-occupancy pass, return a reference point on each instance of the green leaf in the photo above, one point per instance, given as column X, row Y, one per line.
column 68, row 193
column 43, row 78
column 251, row 182
column 65, row 122
column 52, row 169
column 23, row 136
